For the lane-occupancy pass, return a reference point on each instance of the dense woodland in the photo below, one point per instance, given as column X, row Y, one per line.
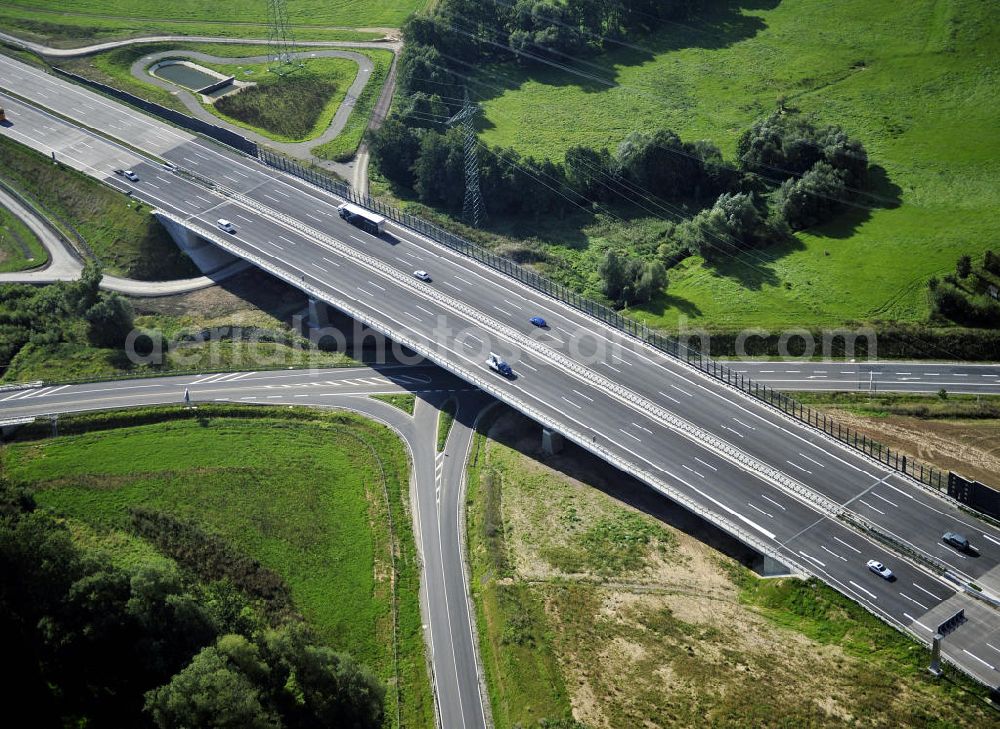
column 218, row 644
column 790, row 174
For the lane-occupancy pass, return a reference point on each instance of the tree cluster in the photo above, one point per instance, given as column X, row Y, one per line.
column 821, row 168
column 62, row 312
column 968, row 296
column 631, row 280
column 90, row 643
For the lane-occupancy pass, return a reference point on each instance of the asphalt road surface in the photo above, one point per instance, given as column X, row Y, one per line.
column 778, row 485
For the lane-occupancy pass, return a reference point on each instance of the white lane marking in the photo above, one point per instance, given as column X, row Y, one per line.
column 709, row 465
column 767, row 498
column 585, row 397
column 750, row 427
column 451, row 285
column 669, row 397
column 508, row 301
column 611, row 367
column 324, row 270
column 314, row 217
column 757, row 508
column 243, row 217
column 812, row 559
column 381, row 288
column 245, row 374
column 796, row 465
column 642, row 428
column 522, row 363
column 365, row 291
column 900, row 491
column 988, row 665
column 993, row 646
column 426, row 311
column 847, row 545
column 502, row 311
column 329, row 260
column 619, row 359
column 919, row 605
column 634, row 437
column 460, row 278
column 813, row 460
column 885, row 500
column 579, row 407
column 987, row 536
column 287, row 240
column 830, row 551
column 681, row 390
column 868, row 592
column 917, row 622
column 272, row 197
column 687, row 467
column 726, row 427
column 412, row 316
column 924, row 589
column 871, row 507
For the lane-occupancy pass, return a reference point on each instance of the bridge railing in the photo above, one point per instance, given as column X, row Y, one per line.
column 669, row 345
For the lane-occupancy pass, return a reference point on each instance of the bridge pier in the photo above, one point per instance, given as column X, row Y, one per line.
column 319, row 314
column 552, row 442
column 770, row 567
column 206, row 256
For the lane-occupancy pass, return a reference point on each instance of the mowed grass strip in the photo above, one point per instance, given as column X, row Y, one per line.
column 914, row 82
column 344, row 145
column 20, row 249
column 124, row 236
column 300, row 491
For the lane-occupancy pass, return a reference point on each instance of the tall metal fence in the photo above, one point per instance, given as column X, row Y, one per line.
column 933, row 477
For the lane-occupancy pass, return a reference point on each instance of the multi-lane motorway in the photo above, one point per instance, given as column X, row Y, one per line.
column 774, row 482
column 874, row 377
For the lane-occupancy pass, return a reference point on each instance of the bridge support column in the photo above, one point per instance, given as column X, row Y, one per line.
column 319, row 314
column 935, row 667
column 552, row 442
column 206, row 256
column 770, row 567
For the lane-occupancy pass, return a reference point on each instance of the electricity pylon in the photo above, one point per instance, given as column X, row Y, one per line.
column 279, row 39
column 473, row 209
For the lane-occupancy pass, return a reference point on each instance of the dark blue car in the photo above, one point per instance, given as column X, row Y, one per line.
column 538, row 322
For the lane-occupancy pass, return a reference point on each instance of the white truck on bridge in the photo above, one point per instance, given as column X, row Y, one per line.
column 364, row 219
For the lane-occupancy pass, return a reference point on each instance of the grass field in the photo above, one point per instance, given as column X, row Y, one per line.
column 299, row 491
column 62, row 22
column 294, row 109
column 123, row 235
column 915, row 82
column 594, row 610
column 405, row 403
column 20, row 249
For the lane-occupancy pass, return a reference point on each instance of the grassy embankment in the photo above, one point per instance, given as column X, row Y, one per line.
column 20, row 249
column 405, row 403
column 66, row 23
column 446, row 418
column 309, row 495
column 244, row 325
column 294, row 108
column 911, row 81
column 122, row 234
column 592, row 609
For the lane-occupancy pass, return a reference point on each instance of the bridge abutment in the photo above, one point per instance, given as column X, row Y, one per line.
column 206, row 256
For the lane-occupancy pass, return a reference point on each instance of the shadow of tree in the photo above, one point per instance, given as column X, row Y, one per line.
column 664, row 302
column 879, row 193
column 754, row 269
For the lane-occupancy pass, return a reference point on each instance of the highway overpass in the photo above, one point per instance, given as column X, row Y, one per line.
column 788, row 490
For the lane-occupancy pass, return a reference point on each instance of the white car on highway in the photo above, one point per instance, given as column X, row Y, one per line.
column 131, row 175
column 226, row 226
column 880, row 569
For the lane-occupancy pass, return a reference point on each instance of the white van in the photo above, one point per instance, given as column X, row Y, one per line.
column 226, row 226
